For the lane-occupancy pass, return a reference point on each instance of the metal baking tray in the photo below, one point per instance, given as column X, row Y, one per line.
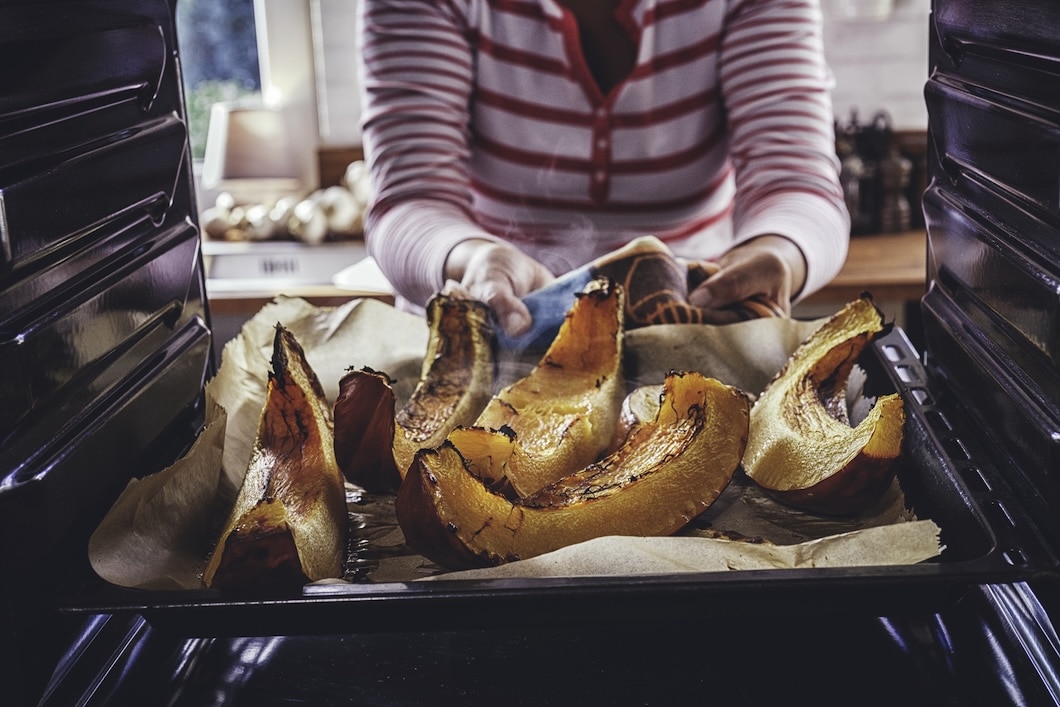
column 946, row 475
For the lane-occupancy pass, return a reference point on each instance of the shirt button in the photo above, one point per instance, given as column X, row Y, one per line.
column 599, row 175
column 602, row 143
column 600, row 113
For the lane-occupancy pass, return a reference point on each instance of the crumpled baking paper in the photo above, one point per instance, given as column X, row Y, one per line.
column 901, row 543
column 160, row 531
column 147, row 539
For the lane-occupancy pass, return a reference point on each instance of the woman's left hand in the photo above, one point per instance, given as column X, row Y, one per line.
column 768, row 267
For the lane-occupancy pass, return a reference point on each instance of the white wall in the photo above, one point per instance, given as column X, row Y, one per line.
column 287, row 74
column 334, row 24
column 878, row 65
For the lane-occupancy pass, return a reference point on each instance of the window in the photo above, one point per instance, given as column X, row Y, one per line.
column 219, row 55
column 255, row 50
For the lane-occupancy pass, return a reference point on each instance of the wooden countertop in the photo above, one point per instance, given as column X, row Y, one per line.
column 890, row 266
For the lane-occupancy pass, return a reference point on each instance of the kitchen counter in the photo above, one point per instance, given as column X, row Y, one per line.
column 891, row 266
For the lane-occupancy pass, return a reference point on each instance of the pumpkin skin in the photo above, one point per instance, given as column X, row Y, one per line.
column 288, row 525
column 564, row 411
column 374, row 443
column 802, row 449
column 365, row 430
column 667, row 472
column 640, row 406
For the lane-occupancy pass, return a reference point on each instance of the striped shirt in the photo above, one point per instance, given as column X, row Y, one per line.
column 481, row 118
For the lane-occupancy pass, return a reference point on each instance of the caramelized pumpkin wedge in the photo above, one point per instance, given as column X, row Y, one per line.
column 668, row 472
column 802, row 448
column 457, row 377
column 288, row 525
column 564, row 411
column 374, row 444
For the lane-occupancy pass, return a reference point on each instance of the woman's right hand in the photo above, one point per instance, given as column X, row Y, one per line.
column 498, row 274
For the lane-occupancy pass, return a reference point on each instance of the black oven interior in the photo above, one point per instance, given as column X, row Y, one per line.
column 105, row 345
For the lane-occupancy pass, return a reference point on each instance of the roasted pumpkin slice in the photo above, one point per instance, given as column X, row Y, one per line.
column 668, row 472
column 803, row 449
column 563, row 412
column 457, row 377
column 289, row 524
column 373, row 443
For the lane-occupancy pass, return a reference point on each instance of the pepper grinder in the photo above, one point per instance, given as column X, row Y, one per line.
column 851, row 170
column 860, row 175
column 894, row 173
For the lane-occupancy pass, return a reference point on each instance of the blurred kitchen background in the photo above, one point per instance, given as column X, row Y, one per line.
column 273, row 110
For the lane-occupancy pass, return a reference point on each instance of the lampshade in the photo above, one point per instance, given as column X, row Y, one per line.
column 249, row 153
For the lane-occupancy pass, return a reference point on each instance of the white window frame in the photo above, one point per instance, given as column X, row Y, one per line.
column 285, row 60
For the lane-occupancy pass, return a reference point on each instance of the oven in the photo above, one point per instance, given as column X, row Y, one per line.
column 105, row 347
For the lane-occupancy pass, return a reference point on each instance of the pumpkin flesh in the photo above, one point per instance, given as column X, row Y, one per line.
column 667, row 472
column 288, row 525
column 802, row 448
column 564, row 411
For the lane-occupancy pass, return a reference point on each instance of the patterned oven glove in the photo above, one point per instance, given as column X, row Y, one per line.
column 656, row 284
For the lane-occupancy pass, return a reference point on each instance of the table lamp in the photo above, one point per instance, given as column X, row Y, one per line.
column 249, row 154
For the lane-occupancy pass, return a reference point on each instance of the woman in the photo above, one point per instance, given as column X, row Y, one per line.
column 510, row 141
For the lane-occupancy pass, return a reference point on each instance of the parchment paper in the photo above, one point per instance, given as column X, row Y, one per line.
column 159, row 533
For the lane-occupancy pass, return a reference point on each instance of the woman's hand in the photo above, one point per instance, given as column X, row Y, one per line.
column 770, row 267
column 498, row 274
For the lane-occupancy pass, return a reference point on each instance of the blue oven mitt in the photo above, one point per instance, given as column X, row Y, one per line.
column 548, row 307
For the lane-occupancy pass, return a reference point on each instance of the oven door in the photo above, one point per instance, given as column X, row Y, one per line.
column 104, row 338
